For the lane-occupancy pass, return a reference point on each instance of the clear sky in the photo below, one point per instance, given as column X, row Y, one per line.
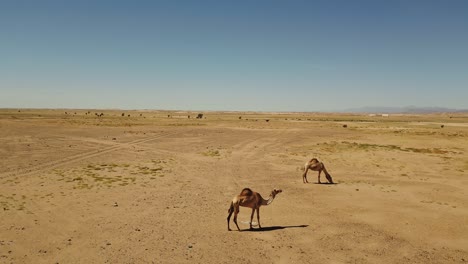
column 233, row 55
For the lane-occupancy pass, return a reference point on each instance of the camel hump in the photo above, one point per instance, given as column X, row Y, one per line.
column 314, row 160
column 246, row 191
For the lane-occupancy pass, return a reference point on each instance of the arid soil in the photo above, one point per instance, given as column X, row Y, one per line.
column 155, row 187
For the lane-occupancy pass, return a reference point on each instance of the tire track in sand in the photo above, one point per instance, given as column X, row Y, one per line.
column 246, row 152
column 80, row 156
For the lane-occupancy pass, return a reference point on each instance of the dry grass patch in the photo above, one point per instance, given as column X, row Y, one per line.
column 112, row 175
column 211, row 153
column 11, row 202
column 334, row 146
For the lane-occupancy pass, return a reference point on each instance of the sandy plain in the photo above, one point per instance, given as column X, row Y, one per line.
column 149, row 188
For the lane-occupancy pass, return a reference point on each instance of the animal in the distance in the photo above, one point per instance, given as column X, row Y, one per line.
column 315, row 165
column 251, row 199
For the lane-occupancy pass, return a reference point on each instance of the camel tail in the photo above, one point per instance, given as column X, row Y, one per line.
column 230, row 211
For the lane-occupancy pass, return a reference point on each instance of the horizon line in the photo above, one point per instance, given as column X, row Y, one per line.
column 415, row 110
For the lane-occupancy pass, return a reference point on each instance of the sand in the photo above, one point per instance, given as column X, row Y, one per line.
column 155, row 187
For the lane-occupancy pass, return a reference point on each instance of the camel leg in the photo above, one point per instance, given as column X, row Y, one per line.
column 304, row 175
column 228, row 220
column 258, row 218
column 235, row 218
column 251, row 217
column 320, row 171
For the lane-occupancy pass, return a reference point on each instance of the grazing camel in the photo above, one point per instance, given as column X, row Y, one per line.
column 251, row 199
column 315, row 165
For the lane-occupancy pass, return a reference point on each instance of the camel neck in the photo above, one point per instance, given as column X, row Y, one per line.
column 269, row 201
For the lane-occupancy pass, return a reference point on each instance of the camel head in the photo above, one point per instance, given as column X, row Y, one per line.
column 272, row 196
column 275, row 192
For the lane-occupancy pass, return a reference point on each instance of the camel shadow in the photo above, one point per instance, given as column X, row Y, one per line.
column 272, row 228
column 326, row 183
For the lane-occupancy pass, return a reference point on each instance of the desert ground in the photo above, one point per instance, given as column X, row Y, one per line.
column 155, row 187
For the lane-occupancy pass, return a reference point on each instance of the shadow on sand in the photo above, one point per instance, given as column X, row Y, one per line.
column 326, row 183
column 272, row 228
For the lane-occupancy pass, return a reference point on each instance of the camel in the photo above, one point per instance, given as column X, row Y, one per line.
column 251, row 199
column 315, row 165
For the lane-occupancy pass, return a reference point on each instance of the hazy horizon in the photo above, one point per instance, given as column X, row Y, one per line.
column 272, row 56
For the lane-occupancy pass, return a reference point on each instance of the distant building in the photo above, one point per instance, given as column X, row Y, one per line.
column 384, row 115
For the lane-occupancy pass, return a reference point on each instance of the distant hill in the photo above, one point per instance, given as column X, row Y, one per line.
column 407, row 109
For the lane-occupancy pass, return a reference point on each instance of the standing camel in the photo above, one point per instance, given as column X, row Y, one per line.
column 251, row 199
column 315, row 165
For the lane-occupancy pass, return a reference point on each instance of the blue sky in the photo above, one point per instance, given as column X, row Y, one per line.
column 233, row 55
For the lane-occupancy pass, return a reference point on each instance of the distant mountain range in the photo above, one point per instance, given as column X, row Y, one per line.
column 407, row 109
